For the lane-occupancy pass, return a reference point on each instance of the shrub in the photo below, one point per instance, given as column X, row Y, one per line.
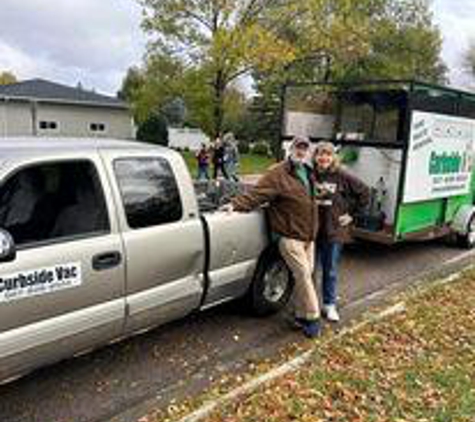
column 348, row 155
column 243, row 148
column 153, row 130
column 261, row 148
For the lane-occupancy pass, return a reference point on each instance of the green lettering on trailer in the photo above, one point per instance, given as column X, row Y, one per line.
column 445, row 163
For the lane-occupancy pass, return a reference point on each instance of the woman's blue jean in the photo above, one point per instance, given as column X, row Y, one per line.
column 328, row 253
column 203, row 172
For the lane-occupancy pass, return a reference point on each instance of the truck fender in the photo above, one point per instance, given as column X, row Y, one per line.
column 462, row 219
column 272, row 284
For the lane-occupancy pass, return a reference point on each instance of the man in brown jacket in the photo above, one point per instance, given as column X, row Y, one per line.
column 289, row 190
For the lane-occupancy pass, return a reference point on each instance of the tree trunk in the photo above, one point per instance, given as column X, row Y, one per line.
column 218, row 113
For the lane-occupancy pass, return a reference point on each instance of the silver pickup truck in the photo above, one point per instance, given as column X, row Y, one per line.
column 103, row 239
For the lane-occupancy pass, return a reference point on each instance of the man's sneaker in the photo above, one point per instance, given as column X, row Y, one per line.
column 330, row 313
column 310, row 328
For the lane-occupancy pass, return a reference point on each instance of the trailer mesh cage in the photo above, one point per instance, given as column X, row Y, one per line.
column 368, row 113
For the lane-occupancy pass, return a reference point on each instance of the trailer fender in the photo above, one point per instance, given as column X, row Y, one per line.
column 463, row 226
column 462, row 219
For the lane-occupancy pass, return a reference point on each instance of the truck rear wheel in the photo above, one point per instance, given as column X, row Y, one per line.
column 467, row 239
column 272, row 284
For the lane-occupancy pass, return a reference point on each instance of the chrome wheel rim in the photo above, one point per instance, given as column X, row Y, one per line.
column 276, row 281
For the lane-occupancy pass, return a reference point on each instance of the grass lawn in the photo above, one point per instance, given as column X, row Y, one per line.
column 414, row 366
column 249, row 163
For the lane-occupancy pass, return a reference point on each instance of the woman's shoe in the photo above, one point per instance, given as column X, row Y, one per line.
column 330, row 313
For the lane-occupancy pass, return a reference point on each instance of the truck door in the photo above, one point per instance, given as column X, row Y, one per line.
column 64, row 290
column 163, row 237
column 236, row 242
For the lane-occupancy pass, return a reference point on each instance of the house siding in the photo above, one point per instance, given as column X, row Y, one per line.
column 16, row 118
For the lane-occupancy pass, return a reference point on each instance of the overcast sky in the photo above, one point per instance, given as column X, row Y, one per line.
column 95, row 41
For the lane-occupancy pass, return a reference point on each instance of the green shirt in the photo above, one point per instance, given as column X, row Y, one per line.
column 303, row 175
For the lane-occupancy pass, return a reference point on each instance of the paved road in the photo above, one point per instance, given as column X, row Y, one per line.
column 120, row 382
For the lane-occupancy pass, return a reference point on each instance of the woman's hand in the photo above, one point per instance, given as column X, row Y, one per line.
column 345, row 220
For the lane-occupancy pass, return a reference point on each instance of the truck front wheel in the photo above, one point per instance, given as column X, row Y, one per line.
column 272, row 284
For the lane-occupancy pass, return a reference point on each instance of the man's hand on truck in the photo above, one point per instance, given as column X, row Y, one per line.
column 227, row 208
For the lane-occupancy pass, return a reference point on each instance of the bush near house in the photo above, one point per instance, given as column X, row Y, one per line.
column 243, row 148
column 153, row 130
column 261, row 148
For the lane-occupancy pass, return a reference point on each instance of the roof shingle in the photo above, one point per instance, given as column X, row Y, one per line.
column 43, row 90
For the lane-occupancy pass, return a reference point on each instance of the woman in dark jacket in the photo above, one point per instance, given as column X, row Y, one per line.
column 218, row 159
column 341, row 195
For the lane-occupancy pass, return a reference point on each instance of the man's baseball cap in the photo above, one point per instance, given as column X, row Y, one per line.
column 300, row 142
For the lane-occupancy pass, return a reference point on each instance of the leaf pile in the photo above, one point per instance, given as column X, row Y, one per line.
column 418, row 365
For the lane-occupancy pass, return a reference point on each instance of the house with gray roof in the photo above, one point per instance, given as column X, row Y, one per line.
column 38, row 107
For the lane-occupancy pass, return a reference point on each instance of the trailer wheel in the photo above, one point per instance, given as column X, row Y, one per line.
column 272, row 284
column 467, row 239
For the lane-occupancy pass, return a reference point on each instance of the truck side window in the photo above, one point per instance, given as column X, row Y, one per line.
column 53, row 201
column 149, row 191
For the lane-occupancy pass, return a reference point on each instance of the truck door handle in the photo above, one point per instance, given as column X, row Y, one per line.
column 106, row 260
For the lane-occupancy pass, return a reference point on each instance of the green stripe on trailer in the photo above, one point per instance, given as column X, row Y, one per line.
column 419, row 216
column 424, row 215
column 472, row 185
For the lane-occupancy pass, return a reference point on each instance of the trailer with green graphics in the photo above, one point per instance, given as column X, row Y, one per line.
column 411, row 142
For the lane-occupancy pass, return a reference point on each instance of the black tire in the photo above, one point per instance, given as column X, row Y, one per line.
column 467, row 240
column 272, row 284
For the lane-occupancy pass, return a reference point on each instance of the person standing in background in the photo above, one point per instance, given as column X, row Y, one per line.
column 341, row 195
column 231, row 156
column 202, row 158
column 218, row 159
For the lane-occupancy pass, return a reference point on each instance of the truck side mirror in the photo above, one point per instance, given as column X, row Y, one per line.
column 7, row 247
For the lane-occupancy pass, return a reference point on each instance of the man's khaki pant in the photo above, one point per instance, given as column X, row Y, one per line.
column 299, row 256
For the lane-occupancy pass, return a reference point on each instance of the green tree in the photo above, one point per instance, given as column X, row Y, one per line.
column 131, row 84
column 401, row 43
column 181, row 95
column 199, row 48
column 224, row 39
column 405, row 44
column 150, row 88
column 175, row 112
column 7, row 78
column 218, row 37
